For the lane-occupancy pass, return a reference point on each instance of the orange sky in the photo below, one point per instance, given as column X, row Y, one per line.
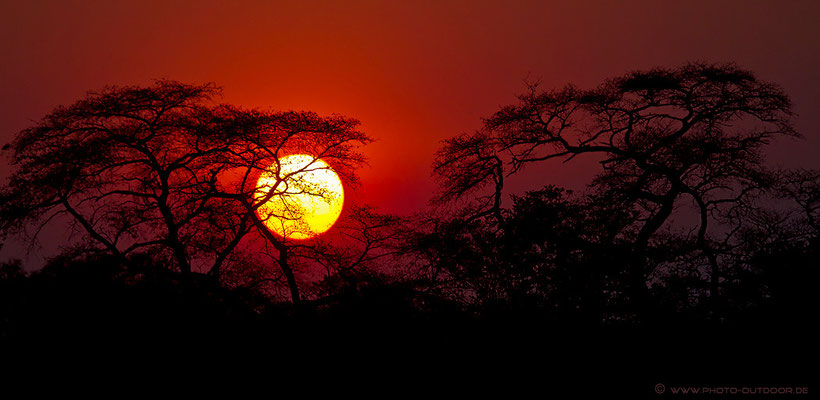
column 413, row 72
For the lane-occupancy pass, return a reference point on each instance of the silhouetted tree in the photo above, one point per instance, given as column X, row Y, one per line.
column 683, row 222
column 95, row 297
column 802, row 186
column 126, row 164
column 557, row 257
column 664, row 136
column 166, row 171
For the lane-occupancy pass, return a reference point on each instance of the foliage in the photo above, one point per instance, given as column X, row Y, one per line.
column 684, row 223
column 691, row 136
column 165, row 171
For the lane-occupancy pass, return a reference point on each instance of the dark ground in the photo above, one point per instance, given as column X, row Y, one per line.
column 82, row 322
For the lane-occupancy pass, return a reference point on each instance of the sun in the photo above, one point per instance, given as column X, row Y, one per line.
column 304, row 197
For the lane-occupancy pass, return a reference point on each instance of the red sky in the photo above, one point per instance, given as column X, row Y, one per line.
column 414, row 72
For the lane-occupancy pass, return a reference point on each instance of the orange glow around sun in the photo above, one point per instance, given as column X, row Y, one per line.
column 305, row 197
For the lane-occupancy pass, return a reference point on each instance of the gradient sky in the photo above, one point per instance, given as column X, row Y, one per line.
column 413, row 72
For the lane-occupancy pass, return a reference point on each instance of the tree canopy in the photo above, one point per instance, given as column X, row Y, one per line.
column 168, row 171
column 685, row 216
column 662, row 136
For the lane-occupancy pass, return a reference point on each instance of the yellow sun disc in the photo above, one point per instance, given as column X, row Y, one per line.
column 304, row 197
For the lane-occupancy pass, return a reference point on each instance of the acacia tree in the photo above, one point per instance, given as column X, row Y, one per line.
column 662, row 135
column 126, row 164
column 165, row 170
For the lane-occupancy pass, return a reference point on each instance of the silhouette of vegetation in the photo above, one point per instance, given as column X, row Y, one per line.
column 166, row 172
column 669, row 141
column 685, row 223
column 556, row 258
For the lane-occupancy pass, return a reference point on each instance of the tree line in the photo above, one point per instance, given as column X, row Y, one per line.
column 684, row 220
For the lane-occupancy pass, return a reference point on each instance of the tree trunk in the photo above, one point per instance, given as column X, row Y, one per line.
column 714, row 283
column 173, row 241
column 288, row 271
column 283, row 260
column 637, row 290
column 709, row 252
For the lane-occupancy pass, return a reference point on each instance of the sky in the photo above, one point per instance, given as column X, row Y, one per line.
column 413, row 72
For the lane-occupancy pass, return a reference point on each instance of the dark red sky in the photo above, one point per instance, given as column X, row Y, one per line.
column 413, row 72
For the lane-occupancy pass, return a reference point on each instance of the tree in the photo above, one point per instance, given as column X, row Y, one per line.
column 662, row 136
column 802, row 186
column 556, row 257
column 165, row 170
column 113, row 162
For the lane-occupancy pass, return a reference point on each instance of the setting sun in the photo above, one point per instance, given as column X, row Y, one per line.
column 307, row 200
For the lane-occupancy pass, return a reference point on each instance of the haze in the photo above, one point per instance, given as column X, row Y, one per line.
column 413, row 73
